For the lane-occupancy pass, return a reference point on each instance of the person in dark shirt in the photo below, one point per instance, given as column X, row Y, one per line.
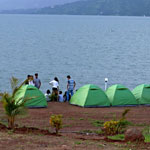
column 27, row 80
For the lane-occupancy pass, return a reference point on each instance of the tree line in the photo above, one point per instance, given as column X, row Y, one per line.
column 95, row 7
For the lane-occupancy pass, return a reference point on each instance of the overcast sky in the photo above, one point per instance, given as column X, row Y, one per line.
column 17, row 4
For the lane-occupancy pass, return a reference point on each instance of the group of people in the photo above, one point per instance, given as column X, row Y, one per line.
column 35, row 81
column 57, row 93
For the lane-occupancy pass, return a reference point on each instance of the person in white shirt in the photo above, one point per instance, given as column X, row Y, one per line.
column 55, row 85
column 31, row 82
column 47, row 95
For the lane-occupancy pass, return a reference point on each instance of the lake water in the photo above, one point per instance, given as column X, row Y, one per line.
column 89, row 48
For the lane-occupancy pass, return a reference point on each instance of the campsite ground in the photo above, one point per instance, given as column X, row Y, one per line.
column 75, row 119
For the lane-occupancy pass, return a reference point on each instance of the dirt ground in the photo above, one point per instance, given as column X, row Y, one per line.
column 75, row 119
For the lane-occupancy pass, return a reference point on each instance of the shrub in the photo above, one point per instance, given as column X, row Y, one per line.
column 146, row 133
column 11, row 106
column 111, row 127
column 56, row 122
column 54, row 97
column 115, row 127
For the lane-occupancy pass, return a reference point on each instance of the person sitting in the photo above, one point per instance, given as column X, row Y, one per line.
column 60, row 97
column 47, row 95
column 65, row 96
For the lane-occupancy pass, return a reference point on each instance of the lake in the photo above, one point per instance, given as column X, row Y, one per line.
column 89, row 48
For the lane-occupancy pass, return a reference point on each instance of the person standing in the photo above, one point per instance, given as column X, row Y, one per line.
column 55, row 88
column 37, row 81
column 27, row 80
column 70, row 86
column 55, row 85
column 31, row 80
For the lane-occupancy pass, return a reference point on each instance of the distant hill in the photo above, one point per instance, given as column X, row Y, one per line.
column 26, row 4
column 97, row 7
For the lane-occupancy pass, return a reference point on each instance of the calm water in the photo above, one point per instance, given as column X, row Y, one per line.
column 89, row 48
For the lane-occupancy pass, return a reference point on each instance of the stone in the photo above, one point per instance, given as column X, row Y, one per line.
column 134, row 134
column 65, row 147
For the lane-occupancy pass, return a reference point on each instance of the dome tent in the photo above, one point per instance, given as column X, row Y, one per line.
column 90, row 96
column 37, row 100
column 142, row 94
column 119, row 95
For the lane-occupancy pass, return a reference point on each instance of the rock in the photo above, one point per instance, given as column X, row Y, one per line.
column 65, row 147
column 134, row 135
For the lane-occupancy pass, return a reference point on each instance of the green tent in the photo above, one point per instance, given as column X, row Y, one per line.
column 119, row 95
column 142, row 94
column 28, row 91
column 90, row 96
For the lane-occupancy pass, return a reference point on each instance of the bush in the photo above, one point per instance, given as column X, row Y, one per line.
column 54, row 97
column 146, row 133
column 11, row 106
column 111, row 127
column 115, row 127
column 56, row 122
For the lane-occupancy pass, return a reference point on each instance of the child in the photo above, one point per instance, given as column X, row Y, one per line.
column 65, row 96
column 61, row 99
column 47, row 95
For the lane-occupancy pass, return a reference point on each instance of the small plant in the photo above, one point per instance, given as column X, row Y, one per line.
column 117, row 137
column 147, row 138
column 101, row 145
column 124, row 114
column 146, row 133
column 11, row 106
column 99, row 132
column 97, row 123
column 56, row 122
column 54, row 97
column 113, row 127
column 78, row 142
column 66, row 125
